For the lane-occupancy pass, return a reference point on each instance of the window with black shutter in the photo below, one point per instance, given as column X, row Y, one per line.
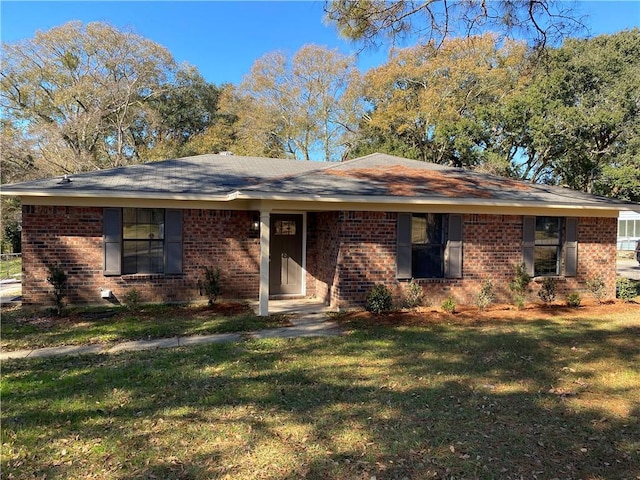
column 142, row 240
column 429, row 245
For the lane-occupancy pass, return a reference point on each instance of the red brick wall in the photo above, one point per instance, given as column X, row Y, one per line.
column 366, row 246
column 72, row 237
column 323, row 243
column 347, row 253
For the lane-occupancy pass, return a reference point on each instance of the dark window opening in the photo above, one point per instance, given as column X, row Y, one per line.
column 548, row 246
column 143, row 242
column 427, row 245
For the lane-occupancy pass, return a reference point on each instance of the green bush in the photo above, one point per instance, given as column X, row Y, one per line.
column 210, row 286
column 547, row 292
column 597, row 288
column 449, row 305
column 519, row 284
column 626, row 289
column 486, row 296
column 573, row 300
column 58, row 279
column 413, row 295
column 379, row 299
column 132, row 300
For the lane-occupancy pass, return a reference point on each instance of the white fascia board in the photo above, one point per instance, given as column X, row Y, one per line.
column 112, row 194
column 405, row 203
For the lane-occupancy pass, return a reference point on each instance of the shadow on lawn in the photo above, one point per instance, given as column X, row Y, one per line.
column 438, row 401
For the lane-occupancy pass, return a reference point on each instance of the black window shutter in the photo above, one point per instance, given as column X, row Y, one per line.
column 453, row 253
column 112, row 240
column 528, row 243
column 173, row 241
column 571, row 248
column 403, row 251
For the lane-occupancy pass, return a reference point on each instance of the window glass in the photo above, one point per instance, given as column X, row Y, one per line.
column 547, row 230
column 143, row 240
column 285, row 227
column 427, row 246
column 547, row 246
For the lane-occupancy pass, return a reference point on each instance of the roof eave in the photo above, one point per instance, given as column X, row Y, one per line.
column 391, row 200
column 225, row 197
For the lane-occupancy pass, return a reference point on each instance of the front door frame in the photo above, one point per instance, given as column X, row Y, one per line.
column 265, row 235
column 303, row 239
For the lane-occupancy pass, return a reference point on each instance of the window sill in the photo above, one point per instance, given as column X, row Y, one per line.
column 542, row 278
column 427, row 280
column 146, row 276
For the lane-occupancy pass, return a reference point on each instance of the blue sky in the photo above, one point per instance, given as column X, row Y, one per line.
column 223, row 38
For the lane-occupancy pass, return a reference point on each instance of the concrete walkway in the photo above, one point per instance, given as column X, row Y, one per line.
column 309, row 320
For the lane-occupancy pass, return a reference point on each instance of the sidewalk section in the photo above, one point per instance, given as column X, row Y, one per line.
column 310, row 325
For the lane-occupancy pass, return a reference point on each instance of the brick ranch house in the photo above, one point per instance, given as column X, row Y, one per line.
column 279, row 228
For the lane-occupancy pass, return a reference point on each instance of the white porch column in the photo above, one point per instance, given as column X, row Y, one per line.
column 265, row 221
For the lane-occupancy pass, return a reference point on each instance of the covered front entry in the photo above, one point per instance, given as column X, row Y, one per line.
column 286, row 254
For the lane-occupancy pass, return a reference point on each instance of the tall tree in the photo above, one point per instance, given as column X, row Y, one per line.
column 376, row 21
column 306, row 102
column 77, row 91
column 577, row 122
column 436, row 101
column 182, row 111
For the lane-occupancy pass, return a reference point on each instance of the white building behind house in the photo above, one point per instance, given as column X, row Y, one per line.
column 628, row 230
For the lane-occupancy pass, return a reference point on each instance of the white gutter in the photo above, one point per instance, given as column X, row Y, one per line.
column 390, row 200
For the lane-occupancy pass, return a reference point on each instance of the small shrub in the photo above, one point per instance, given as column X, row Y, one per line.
column 210, row 286
column 486, row 296
column 58, row 279
column 547, row 292
column 379, row 299
column 573, row 300
column 519, row 284
column 449, row 305
column 413, row 295
column 597, row 288
column 625, row 289
column 519, row 301
column 132, row 300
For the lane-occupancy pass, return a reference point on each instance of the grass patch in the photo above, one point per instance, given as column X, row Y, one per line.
column 11, row 267
column 21, row 329
column 547, row 398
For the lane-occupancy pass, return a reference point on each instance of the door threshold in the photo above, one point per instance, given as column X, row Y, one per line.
column 287, row 296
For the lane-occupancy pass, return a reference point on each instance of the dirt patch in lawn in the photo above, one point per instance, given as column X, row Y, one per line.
column 496, row 313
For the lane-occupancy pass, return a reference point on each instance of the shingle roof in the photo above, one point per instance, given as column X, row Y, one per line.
column 370, row 178
column 202, row 174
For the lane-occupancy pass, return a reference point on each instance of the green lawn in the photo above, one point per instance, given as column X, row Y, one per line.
column 34, row 329
column 548, row 398
column 10, row 268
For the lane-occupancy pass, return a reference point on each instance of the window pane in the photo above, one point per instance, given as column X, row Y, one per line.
column 637, row 232
column 129, row 263
column 426, row 228
column 129, row 223
column 143, row 256
column 418, row 229
column 546, row 260
column 143, row 223
column 285, row 227
column 547, row 230
column 427, row 261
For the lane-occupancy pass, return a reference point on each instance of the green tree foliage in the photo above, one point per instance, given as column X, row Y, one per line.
column 577, row 123
column 184, row 110
column 436, row 102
